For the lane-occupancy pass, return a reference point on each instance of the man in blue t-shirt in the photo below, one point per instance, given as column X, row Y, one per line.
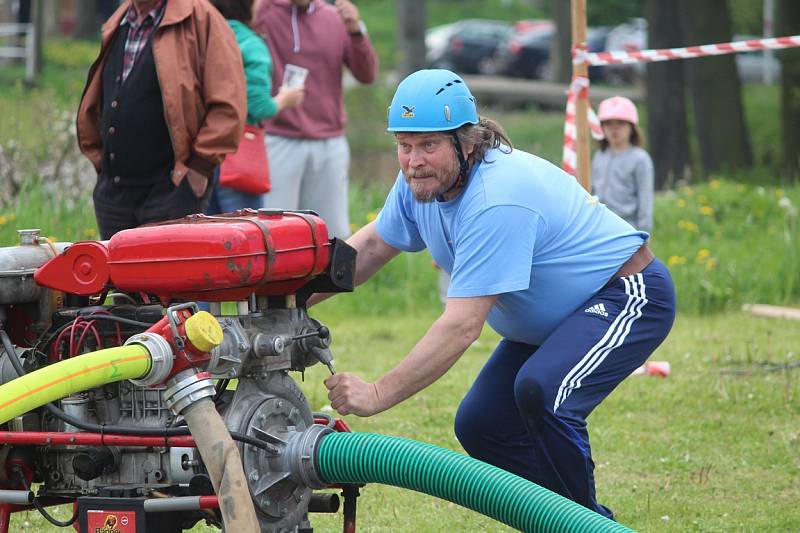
column 573, row 289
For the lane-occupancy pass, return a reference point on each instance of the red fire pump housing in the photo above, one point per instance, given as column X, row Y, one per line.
column 210, row 258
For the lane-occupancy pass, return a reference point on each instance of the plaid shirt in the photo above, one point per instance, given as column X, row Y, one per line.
column 138, row 34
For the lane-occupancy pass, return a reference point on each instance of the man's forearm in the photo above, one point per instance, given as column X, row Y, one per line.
column 373, row 253
column 443, row 344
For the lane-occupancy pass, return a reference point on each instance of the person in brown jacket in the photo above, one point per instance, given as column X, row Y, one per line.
column 164, row 102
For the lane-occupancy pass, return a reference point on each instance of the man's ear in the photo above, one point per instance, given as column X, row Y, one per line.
column 468, row 149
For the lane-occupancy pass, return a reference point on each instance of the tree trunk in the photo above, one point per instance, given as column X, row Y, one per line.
column 715, row 90
column 666, row 105
column 561, row 47
column 789, row 24
column 37, row 13
column 410, row 16
column 86, row 23
column 50, row 13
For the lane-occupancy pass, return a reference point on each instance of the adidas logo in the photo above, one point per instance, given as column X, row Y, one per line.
column 598, row 309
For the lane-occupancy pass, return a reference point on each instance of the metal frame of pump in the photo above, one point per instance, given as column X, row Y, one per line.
column 178, row 358
column 181, row 345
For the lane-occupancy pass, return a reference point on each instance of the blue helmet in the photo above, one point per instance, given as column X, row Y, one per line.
column 432, row 100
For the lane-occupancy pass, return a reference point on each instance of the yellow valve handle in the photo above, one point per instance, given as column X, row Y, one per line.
column 203, row 331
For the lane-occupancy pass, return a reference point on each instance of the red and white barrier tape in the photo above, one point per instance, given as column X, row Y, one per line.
column 579, row 88
column 666, row 54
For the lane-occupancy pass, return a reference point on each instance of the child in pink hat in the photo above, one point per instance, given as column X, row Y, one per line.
column 622, row 171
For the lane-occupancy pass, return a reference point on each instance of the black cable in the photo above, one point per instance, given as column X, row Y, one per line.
column 40, row 507
column 117, row 430
column 222, row 385
column 114, row 318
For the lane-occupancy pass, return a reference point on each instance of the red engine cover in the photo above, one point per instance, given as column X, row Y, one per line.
column 198, row 258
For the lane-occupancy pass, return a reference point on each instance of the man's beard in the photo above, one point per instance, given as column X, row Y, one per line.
column 445, row 178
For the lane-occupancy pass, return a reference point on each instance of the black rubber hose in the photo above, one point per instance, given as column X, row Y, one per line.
column 103, row 428
column 40, row 507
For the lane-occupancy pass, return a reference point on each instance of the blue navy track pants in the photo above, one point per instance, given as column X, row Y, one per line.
column 526, row 411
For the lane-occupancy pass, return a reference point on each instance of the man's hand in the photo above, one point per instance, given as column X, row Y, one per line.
column 288, row 98
column 197, row 182
column 349, row 14
column 350, row 394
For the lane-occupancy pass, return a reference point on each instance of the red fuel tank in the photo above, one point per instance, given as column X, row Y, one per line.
column 211, row 258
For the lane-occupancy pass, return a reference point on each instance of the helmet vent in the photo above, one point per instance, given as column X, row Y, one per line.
column 440, row 91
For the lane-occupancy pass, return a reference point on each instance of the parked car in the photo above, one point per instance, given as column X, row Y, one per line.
column 466, row 46
column 526, row 54
column 630, row 36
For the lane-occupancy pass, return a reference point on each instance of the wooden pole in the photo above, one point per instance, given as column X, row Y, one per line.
column 581, row 105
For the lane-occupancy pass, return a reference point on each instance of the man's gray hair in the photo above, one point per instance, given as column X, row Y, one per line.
column 485, row 135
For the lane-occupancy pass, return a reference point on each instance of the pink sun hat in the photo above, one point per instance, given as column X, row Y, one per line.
column 618, row 108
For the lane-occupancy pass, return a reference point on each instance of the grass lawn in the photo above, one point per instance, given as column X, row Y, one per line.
column 715, row 447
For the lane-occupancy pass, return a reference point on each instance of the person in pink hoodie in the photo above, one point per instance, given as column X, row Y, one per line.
column 309, row 156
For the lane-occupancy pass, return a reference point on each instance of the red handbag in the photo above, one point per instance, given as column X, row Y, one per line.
column 247, row 170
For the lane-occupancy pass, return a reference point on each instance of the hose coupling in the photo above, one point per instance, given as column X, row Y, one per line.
column 186, row 388
column 161, row 356
column 301, row 452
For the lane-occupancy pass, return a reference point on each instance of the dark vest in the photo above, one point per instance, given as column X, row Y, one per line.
column 137, row 149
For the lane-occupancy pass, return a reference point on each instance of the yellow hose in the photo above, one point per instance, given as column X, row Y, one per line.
column 76, row 374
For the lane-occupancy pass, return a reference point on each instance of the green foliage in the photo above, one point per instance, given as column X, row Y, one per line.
column 722, row 238
column 613, row 12
column 747, row 16
column 70, row 54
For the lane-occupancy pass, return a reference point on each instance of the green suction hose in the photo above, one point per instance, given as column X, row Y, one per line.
column 508, row 498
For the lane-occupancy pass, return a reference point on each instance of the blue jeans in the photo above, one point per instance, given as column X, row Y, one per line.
column 526, row 411
column 226, row 200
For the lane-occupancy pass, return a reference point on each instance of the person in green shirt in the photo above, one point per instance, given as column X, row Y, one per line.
column 261, row 105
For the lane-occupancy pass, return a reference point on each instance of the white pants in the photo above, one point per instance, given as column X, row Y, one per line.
column 311, row 174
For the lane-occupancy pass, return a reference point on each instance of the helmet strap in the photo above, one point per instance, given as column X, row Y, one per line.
column 463, row 166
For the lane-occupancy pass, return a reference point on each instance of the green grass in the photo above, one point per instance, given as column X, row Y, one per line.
column 715, row 447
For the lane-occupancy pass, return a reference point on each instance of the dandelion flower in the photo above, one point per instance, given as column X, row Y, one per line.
column 707, row 210
column 715, row 183
column 676, row 260
column 681, row 203
column 3, row 219
column 710, row 264
column 372, row 215
column 703, row 253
